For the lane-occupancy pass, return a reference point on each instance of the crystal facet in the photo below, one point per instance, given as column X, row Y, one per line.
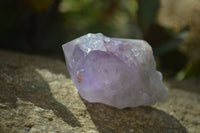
column 114, row 71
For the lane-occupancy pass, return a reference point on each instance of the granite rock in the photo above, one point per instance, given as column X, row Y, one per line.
column 36, row 95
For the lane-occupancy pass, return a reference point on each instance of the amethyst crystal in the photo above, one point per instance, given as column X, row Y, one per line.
column 117, row 72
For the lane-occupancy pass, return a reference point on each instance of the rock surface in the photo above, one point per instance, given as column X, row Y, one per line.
column 37, row 96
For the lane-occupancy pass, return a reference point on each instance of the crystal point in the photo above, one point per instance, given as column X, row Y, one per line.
column 117, row 72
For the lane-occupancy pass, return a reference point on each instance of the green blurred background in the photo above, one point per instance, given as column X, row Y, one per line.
column 171, row 27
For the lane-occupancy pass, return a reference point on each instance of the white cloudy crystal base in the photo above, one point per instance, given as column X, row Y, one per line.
column 117, row 72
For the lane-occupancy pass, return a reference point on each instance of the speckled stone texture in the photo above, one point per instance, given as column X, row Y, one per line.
column 114, row 71
column 36, row 95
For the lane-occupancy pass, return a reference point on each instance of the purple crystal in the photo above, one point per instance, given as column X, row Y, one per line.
column 117, row 72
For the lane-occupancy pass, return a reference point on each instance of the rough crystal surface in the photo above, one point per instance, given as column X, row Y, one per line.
column 117, row 72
